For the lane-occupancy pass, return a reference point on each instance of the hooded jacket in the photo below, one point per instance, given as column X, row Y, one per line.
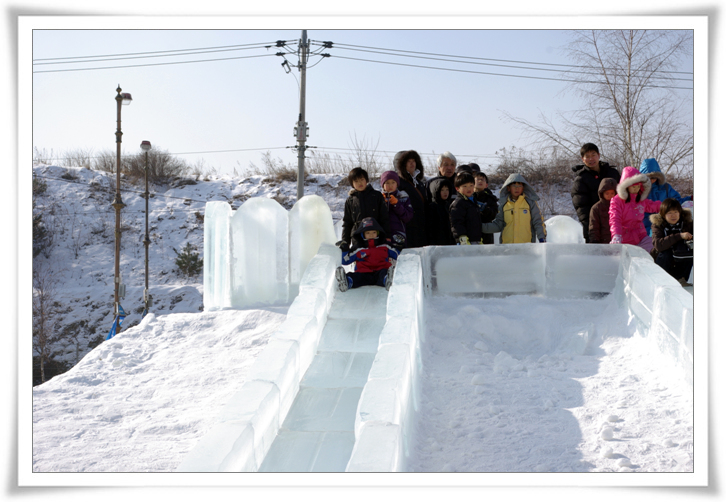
column 518, row 221
column 373, row 254
column 400, row 213
column 438, row 224
column 659, row 191
column 627, row 210
column 599, row 214
column 584, row 189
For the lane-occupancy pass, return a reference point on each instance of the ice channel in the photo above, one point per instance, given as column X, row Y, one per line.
column 338, row 388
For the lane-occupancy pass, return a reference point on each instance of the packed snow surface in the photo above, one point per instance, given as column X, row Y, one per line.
column 529, row 384
column 140, row 401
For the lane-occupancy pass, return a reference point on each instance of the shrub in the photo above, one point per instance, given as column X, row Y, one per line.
column 188, row 261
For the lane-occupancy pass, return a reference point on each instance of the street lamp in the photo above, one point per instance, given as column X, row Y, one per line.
column 146, row 146
column 118, row 204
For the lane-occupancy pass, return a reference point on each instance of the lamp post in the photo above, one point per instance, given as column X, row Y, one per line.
column 146, row 146
column 118, row 204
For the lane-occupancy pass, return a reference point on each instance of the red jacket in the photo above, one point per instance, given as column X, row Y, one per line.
column 370, row 258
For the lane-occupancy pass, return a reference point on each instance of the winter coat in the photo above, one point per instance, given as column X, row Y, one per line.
column 668, row 237
column 416, row 226
column 659, row 191
column 599, row 214
column 465, row 219
column 518, row 221
column 489, row 212
column 372, row 254
column 399, row 214
column 438, row 225
column 584, row 190
column 366, row 203
column 627, row 210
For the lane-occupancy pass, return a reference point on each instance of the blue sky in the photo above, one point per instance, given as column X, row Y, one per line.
column 250, row 105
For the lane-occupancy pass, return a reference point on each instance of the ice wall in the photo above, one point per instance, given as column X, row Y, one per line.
column 390, row 397
column 257, row 254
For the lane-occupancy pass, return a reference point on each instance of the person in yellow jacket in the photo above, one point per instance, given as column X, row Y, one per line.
column 519, row 219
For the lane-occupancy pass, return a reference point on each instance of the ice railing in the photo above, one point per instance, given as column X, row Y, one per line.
column 658, row 304
column 247, row 426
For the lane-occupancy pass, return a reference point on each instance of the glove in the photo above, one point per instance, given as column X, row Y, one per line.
column 542, row 240
column 481, row 205
column 392, row 199
column 464, row 241
column 617, row 239
column 343, row 246
column 399, row 240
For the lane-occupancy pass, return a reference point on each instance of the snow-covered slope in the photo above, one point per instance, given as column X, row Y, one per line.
column 75, row 204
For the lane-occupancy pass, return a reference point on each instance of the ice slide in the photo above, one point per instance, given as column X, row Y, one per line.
column 336, row 389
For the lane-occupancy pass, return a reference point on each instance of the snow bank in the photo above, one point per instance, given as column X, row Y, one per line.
column 245, row 429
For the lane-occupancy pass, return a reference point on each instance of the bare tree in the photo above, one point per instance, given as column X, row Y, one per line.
column 45, row 313
column 635, row 101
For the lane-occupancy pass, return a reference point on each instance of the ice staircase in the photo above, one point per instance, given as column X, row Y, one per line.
column 318, row 433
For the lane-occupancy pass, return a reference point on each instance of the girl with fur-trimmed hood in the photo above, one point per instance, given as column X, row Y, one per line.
column 672, row 233
column 628, row 208
column 519, row 219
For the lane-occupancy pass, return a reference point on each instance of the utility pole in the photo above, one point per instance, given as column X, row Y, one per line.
column 118, row 290
column 301, row 131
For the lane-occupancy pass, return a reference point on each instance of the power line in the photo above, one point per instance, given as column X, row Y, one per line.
column 491, row 73
column 155, row 64
column 131, row 55
column 338, row 45
column 143, row 57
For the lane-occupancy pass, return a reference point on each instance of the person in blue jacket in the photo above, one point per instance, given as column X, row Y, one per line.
column 659, row 190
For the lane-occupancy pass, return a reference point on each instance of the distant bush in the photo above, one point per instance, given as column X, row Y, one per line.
column 163, row 166
column 188, row 261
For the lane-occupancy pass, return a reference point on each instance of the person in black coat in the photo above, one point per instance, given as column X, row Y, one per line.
column 363, row 201
column 438, row 225
column 410, row 172
column 587, row 182
column 490, row 203
column 464, row 212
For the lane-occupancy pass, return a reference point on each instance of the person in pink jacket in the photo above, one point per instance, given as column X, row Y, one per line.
column 628, row 207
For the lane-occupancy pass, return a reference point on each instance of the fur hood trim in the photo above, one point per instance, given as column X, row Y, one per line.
column 630, row 177
column 656, row 219
column 650, row 167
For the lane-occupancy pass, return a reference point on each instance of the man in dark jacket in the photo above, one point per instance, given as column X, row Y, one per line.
column 586, row 183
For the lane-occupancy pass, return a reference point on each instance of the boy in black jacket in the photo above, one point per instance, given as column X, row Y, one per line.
column 363, row 202
column 488, row 202
column 464, row 212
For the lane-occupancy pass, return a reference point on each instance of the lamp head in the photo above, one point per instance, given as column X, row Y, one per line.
column 146, row 146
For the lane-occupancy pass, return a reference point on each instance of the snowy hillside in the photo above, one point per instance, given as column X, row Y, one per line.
column 75, row 205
